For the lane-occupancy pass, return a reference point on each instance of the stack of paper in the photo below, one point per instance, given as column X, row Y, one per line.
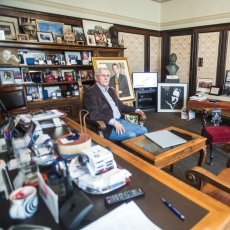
column 127, row 217
column 198, row 98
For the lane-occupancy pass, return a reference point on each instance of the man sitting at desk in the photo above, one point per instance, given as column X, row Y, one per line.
column 102, row 103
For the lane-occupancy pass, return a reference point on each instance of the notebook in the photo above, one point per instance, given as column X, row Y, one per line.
column 165, row 138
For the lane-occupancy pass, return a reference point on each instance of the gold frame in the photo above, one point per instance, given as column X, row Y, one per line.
column 123, row 63
column 25, row 37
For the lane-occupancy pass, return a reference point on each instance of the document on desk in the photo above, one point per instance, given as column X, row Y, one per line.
column 165, row 138
column 128, row 216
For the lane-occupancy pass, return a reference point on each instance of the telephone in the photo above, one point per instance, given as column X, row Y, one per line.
column 75, row 210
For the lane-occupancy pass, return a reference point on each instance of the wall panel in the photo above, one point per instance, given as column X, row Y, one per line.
column 155, row 55
column 208, row 50
column 134, row 51
column 181, row 46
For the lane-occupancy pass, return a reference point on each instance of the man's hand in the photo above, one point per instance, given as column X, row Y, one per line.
column 141, row 112
column 119, row 128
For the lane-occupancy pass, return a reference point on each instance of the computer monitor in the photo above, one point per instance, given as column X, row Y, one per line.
column 143, row 80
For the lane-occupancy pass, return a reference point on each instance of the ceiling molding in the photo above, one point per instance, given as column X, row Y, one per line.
column 194, row 20
column 161, row 1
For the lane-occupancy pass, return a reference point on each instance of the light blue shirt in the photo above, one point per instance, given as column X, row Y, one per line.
column 116, row 112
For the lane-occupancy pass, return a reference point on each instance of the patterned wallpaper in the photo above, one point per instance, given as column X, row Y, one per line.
column 155, row 55
column 134, row 51
column 181, row 46
column 208, row 50
column 228, row 53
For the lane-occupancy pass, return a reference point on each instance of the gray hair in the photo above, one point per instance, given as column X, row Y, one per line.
column 98, row 71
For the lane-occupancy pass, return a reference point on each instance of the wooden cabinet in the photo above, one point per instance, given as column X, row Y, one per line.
column 34, row 88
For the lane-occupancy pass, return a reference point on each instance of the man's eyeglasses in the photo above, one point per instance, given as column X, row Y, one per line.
column 104, row 75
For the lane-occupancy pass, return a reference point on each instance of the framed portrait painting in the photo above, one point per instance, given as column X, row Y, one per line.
column 118, row 68
column 171, row 97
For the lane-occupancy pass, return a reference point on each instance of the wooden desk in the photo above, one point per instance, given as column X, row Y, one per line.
column 164, row 157
column 201, row 105
column 218, row 216
column 209, row 213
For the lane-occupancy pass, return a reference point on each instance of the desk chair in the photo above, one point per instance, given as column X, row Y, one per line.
column 216, row 186
column 216, row 134
column 100, row 126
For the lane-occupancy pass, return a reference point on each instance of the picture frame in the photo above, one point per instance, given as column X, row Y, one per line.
column 91, row 40
column 22, row 37
column 171, row 97
column 226, row 85
column 86, row 75
column 100, row 30
column 69, row 75
column 69, row 37
column 10, row 27
column 9, row 56
column 55, row 28
column 7, row 76
column 17, row 76
column 26, row 75
column 215, row 91
column 46, row 37
column 39, row 57
column 73, row 57
column 79, row 33
column 36, row 76
column 86, row 57
column 55, row 59
column 126, row 91
column 32, row 91
column 204, row 85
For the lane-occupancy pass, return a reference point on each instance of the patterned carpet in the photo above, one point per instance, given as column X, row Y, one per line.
column 156, row 121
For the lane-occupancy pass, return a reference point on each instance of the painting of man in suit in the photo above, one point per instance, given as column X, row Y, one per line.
column 122, row 81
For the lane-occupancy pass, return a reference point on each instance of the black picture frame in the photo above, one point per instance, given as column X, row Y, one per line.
column 171, row 97
column 215, row 91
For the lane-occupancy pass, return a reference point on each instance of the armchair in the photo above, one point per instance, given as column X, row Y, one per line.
column 99, row 126
column 215, row 134
column 216, row 186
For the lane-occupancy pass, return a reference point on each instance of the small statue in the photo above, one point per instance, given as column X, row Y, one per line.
column 114, row 36
column 172, row 68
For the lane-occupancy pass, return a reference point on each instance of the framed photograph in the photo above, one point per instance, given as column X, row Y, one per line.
column 73, row 57
column 69, row 37
column 22, row 37
column 59, row 39
column 32, row 91
column 55, row 28
column 118, row 66
column 2, row 35
column 86, row 75
column 86, row 57
column 90, row 40
column 10, row 27
column 68, row 74
column 55, row 59
column 7, row 76
column 45, row 37
column 9, row 56
column 215, row 90
column 9, row 30
column 26, row 75
column 39, row 58
column 171, row 97
column 204, row 85
column 100, row 31
column 79, row 33
column 226, row 86
column 36, row 76
column 17, row 76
